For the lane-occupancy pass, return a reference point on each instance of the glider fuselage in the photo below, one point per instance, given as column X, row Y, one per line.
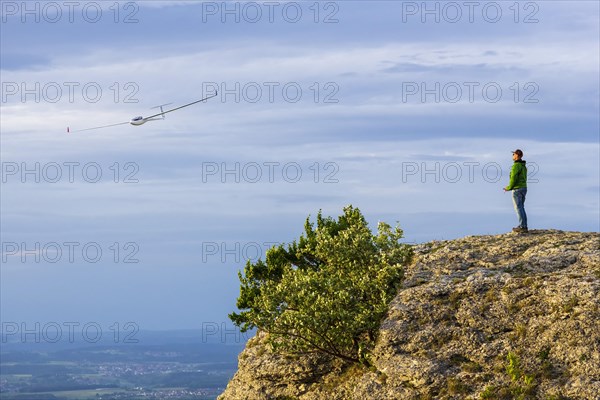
column 138, row 121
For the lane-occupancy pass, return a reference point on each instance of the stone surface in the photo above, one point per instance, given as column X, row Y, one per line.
column 464, row 306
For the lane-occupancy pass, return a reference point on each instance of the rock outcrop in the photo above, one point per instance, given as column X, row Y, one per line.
column 513, row 316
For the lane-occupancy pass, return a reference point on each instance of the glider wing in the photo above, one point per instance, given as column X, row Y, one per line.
column 180, row 107
column 96, row 127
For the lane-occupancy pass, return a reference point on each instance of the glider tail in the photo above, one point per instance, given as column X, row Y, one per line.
column 162, row 115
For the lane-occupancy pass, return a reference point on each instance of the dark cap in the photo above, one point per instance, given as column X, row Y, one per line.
column 518, row 152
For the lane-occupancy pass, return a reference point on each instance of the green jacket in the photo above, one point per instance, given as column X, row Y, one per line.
column 518, row 175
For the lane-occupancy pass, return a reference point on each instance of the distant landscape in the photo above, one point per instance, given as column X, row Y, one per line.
column 181, row 365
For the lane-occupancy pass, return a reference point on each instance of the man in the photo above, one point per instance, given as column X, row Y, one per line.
column 518, row 185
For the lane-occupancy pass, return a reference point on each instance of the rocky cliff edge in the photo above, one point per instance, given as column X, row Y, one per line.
column 483, row 317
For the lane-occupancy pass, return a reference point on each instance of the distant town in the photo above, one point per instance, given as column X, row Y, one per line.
column 181, row 368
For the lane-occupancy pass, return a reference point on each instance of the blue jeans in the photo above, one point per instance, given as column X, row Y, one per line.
column 518, row 196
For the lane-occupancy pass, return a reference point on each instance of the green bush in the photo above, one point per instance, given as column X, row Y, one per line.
column 326, row 292
column 524, row 386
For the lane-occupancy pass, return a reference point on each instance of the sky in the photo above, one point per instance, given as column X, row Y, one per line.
column 407, row 110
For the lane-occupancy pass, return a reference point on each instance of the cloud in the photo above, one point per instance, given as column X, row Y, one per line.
column 436, row 166
column 262, row 86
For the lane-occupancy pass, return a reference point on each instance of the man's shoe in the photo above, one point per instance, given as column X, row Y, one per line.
column 520, row 230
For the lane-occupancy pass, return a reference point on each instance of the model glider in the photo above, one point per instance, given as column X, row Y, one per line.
column 137, row 121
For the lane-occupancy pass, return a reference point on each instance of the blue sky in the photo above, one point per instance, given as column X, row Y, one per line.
column 408, row 113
